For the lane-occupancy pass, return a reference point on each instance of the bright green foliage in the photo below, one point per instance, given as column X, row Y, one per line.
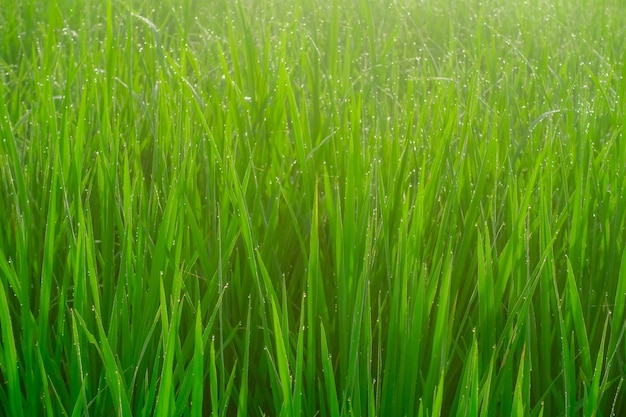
column 312, row 208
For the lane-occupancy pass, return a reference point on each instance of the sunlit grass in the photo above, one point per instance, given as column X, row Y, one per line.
column 364, row 208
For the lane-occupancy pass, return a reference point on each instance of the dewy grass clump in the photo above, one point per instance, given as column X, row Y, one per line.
column 312, row 208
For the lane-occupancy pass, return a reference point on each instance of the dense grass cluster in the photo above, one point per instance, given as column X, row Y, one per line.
column 362, row 207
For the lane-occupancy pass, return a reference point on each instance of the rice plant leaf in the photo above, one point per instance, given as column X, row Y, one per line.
column 580, row 329
column 329, row 375
column 10, row 365
column 282, row 363
column 197, row 395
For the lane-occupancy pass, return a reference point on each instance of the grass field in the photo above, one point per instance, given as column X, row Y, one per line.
column 315, row 208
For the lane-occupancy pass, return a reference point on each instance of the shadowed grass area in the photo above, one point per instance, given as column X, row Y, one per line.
column 358, row 208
